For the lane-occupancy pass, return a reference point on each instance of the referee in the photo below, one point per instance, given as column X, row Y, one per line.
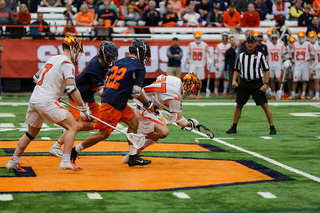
column 250, row 66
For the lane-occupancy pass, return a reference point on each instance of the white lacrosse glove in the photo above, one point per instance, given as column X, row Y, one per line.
column 194, row 123
column 287, row 64
column 313, row 68
column 210, row 62
column 35, row 78
column 85, row 111
column 187, row 66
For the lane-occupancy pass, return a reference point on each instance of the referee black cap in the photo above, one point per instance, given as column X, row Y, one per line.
column 251, row 38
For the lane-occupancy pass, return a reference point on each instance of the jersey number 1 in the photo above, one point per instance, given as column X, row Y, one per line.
column 115, row 75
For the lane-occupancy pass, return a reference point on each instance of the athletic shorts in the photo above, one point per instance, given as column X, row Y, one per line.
column 275, row 73
column 94, row 108
column 317, row 74
column 220, row 72
column 52, row 113
column 198, row 71
column 251, row 88
column 301, row 75
column 147, row 120
column 112, row 116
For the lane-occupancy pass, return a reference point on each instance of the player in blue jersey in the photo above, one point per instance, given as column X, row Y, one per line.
column 88, row 81
column 124, row 82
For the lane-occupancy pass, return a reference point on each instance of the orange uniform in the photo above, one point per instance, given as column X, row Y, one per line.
column 94, row 108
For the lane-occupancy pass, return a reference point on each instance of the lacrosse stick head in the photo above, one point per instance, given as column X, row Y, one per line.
column 269, row 92
column 278, row 95
column 167, row 118
column 206, row 130
column 208, row 92
column 191, row 85
column 137, row 140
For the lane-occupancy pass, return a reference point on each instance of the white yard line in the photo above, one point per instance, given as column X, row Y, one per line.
column 267, row 195
column 6, row 197
column 181, row 195
column 94, row 196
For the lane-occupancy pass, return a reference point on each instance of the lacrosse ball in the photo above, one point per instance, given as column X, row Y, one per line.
column 196, row 141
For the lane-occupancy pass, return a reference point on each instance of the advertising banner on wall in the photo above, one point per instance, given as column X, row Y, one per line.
column 23, row 58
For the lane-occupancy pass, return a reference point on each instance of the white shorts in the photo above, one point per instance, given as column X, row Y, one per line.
column 147, row 120
column 52, row 113
column 275, row 73
column 220, row 72
column 301, row 75
column 198, row 71
column 317, row 74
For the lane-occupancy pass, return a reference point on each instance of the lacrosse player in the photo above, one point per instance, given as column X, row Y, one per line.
column 56, row 75
column 276, row 53
column 312, row 38
column 124, row 81
column 302, row 50
column 197, row 57
column 315, row 67
column 166, row 91
column 90, row 80
column 220, row 53
column 288, row 65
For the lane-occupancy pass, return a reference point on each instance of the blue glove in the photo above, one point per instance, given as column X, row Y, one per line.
column 151, row 107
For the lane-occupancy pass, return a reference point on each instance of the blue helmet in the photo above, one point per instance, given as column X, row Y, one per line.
column 108, row 52
column 141, row 49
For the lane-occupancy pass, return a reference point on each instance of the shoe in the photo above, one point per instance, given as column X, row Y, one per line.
column 231, row 96
column 224, row 94
column 69, row 165
column 74, row 155
column 299, row 96
column 302, row 97
column 285, row 95
column 56, row 151
column 290, row 97
column 232, row 130
column 314, row 99
column 197, row 97
column 125, row 159
column 213, row 94
column 135, row 160
column 273, row 98
column 14, row 166
column 283, row 98
column 273, row 132
column 308, row 97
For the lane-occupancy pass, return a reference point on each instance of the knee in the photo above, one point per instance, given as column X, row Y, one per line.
column 239, row 107
column 164, row 133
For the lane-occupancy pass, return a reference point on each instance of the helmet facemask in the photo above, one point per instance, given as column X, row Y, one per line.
column 197, row 39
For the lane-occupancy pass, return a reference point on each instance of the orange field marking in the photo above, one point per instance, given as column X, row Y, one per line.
column 108, row 146
column 108, row 173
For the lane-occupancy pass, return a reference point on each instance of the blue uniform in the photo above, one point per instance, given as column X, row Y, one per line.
column 123, row 75
column 89, row 79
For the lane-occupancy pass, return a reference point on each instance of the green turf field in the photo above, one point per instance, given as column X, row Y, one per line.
column 293, row 153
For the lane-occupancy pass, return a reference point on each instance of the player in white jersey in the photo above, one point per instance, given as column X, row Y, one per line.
column 56, row 75
column 276, row 52
column 166, row 91
column 269, row 33
column 312, row 38
column 219, row 53
column 197, row 57
column 315, row 67
column 302, row 53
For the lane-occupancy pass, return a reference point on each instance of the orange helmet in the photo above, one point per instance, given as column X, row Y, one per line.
column 312, row 36
column 269, row 32
column 191, row 85
column 197, row 36
column 292, row 39
column 301, row 37
column 255, row 34
column 75, row 46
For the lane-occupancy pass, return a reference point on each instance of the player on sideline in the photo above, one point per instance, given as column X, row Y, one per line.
column 171, row 97
column 90, row 80
column 315, row 67
column 312, row 37
column 57, row 75
column 276, row 53
column 220, row 53
column 197, row 57
column 302, row 53
column 124, row 81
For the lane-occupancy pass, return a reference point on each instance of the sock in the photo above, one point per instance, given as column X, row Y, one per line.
column 216, row 90
column 311, row 92
column 293, row 94
column 79, row 148
column 273, row 93
column 234, row 125
column 272, row 127
column 65, row 158
column 225, row 86
column 303, row 94
column 317, row 94
column 15, row 159
column 57, row 144
column 132, row 150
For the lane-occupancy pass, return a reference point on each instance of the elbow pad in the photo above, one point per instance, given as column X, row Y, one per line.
column 136, row 91
column 71, row 88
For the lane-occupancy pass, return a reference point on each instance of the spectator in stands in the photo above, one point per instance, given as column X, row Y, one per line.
column 174, row 54
column 280, row 10
column 141, row 7
column 131, row 18
column 15, row 32
column 43, row 26
column 69, row 29
column 231, row 17
column 1, row 51
column 220, row 3
column 314, row 26
column 109, row 15
column 123, row 9
column 51, row 3
column 214, row 18
column 69, row 13
column 150, row 15
column 251, row 18
column 32, row 5
column 93, row 9
column 306, row 18
column 242, row 5
column 292, row 2
column 177, row 6
column 5, row 14
column 99, row 32
column 170, row 18
column 316, row 5
column 162, row 7
column 64, row 3
column 11, row 5
column 113, row 6
column 192, row 19
column 243, row 46
column 203, row 9
column 84, row 18
column 296, row 11
column 261, row 8
column 269, row 4
column 24, row 15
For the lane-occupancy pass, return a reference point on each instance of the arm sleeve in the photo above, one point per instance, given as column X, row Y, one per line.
column 286, row 11
column 140, row 74
column 274, row 10
column 175, row 105
column 96, row 81
column 169, row 56
column 264, row 63
column 180, row 55
column 226, row 59
column 67, row 70
column 237, row 65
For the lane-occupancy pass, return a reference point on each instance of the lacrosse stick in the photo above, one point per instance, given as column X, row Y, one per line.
column 208, row 92
column 167, row 118
column 278, row 95
column 137, row 140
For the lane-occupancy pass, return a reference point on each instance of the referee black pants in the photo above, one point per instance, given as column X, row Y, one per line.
column 247, row 88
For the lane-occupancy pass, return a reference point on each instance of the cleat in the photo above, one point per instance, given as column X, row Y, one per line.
column 14, row 166
column 224, row 94
column 69, row 165
column 314, row 99
column 125, row 159
column 74, row 155
column 273, row 98
column 290, row 97
column 283, row 98
column 56, row 151
column 231, row 96
column 285, row 95
column 214, row 95
column 302, row 97
column 232, row 130
column 135, row 160
column 273, row 132
column 299, row 96
column 197, row 97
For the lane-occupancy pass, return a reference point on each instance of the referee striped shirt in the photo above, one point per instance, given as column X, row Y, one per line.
column 251, row 66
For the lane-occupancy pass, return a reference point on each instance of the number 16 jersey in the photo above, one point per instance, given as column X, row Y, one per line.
column 275, row 55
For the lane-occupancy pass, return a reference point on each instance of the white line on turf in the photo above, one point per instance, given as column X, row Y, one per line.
column 264, row 137
column 181, row 195
column 45, row 138
column 267, row 195
column 6, row 197
column 7, row 115
column 94, row 196
column 6, row 125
